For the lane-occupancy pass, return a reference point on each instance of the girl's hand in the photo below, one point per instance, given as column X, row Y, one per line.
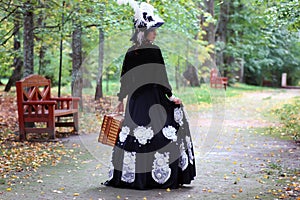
column 177, row 100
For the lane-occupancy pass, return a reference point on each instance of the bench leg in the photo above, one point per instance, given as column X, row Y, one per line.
column 51, row 126
column 22, row 134
column 52, row 134
column 76, row 122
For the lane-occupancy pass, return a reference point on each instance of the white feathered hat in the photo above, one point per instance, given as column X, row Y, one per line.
column 144, row 14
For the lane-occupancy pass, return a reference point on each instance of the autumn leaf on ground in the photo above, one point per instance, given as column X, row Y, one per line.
column 12, row 159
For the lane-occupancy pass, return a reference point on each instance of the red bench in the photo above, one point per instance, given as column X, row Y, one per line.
column 35, row 105
column 217, row 81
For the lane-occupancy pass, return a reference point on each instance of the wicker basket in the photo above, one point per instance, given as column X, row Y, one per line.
column 110, row 129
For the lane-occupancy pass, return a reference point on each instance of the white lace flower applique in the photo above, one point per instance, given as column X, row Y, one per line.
column 178, row 116
column 183, row 160
column 110, row 168
column 142, row 134
column 128, row 171
column 170, row 133
column 189, row 147
column 124, row 133
column 161, row 171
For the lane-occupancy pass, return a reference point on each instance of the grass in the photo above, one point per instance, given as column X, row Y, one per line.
column 288, row 114
column 202, row 95
column 205, row 94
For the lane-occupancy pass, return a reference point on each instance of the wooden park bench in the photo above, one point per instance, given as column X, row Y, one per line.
column 217, row 81
column 35, row 105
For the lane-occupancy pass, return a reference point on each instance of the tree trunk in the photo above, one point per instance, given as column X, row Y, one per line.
column 209, row 32
column 42, row 63
column 210, row 28
column 76, row 62
column 221, row 36
column 17, row 63
column 43, row 48
column 99, row 91
column 28, row 40
column 191, row 75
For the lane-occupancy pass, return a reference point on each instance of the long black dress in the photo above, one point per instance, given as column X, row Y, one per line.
column 154, row 148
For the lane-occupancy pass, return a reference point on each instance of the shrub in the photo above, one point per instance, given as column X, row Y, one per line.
column 289, row 116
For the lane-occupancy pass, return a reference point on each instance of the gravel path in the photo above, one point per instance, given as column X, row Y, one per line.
column 234, row 159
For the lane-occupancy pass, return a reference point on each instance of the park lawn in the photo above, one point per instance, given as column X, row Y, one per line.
column 189, row 95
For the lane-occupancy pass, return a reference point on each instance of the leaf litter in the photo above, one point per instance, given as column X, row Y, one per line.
column 24, row 158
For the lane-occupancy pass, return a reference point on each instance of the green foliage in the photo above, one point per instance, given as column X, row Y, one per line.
column 282, row 13
column 6, row 62
column 180, row 16
column 266, row 52
column 51, row 69
column 6, row 44
column 290, row 118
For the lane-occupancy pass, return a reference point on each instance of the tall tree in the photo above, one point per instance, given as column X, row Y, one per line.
column 77, row 61
column 40, row 39
column 221, row 35
column 28, row 39
column 99, row 91
column 208, row 26
column 207, row 22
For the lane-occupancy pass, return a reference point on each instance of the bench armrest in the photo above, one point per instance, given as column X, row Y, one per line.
column 36, row 109
column 224, row 79
column 66, row 98
column 44, row 102
column 66, row 102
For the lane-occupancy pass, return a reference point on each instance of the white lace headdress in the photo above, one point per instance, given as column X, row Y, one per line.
column 144, row 14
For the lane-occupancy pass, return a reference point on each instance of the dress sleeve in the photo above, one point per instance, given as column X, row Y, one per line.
column 165, row 86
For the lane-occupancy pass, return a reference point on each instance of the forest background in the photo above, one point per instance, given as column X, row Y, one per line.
column 83, row 43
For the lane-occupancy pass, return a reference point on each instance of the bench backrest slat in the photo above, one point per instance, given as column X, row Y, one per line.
column 32, row 88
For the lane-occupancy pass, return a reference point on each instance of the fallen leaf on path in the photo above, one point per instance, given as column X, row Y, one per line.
column 225, row 176
column 58, row 192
